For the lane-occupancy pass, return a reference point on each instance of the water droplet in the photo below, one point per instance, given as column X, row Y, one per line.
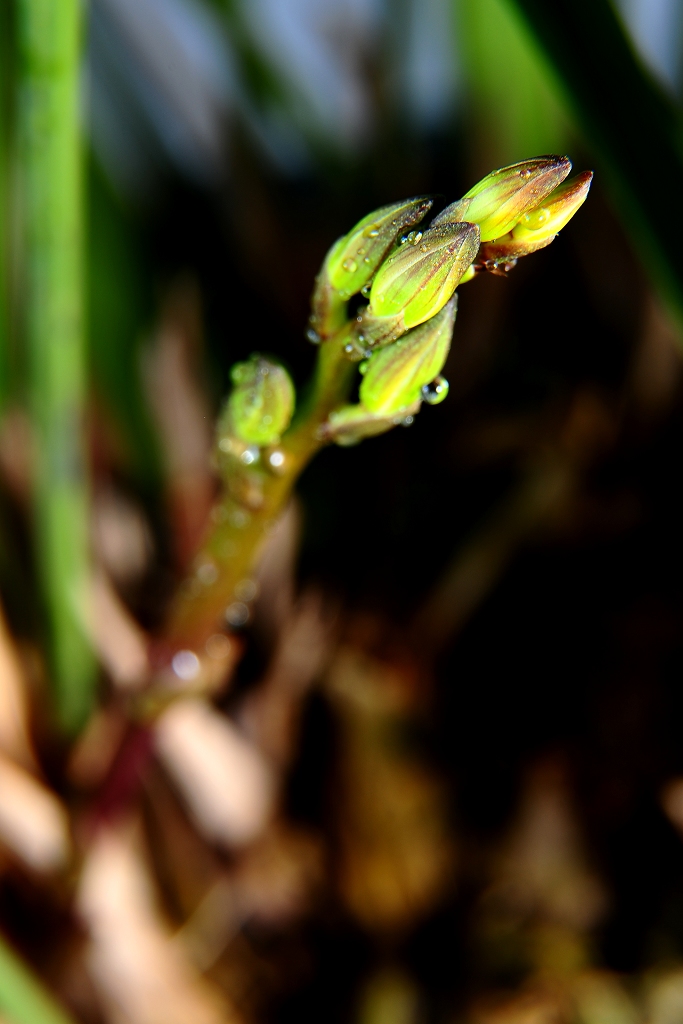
column 350, row 265
column 371, row 231
column 436, row 391
column 361, row 338
column 237, row 613
column 366, row 260
column 366, row 289
column 218, row 646
column 360, row 252
column 537, row 219
column 348, row 349
column 407, row 421
column 276, row 459
column 238, row 517
column 363, row 367
column 413, row 237
column 246, row 590
column 250, row 454
column 207, row 573
column 313, row 335
column 186, row 665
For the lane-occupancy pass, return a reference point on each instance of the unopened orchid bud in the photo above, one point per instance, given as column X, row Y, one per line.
column 260, row 407
column 417, row 280
column 499, row 201
column 540, row 226
column 353, row 423
column 354, row 258
column 402, row 373
column 555, row 212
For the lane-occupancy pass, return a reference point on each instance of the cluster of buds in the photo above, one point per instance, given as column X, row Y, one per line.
column 409, row 276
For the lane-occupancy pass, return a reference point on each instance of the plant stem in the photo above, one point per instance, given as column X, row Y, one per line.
column 49, row 38
column 23, row 1000
column 252, row 500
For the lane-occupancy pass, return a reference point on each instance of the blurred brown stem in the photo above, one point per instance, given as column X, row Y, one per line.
column 251, row 502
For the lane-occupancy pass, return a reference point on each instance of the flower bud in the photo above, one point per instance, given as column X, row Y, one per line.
column 499, row 201
column 417, row 280
column 400, row 374
column 353, row 423
column 260, row 407
column 354, row 258
column 540, row 226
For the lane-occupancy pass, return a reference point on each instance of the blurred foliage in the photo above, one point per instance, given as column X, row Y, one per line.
column 604, row 85
column 436, row 774
column 515, row 109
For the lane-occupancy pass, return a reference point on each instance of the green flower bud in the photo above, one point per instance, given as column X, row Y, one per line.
column 353, row 423
column 499, row 201
column 260, row 407
column 417, row 280
column 540, row 226
column 400, row 374
column 354, row 258
column 547, row 219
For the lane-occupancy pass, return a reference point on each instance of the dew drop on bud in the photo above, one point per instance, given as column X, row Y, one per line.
column 186, row 665
column 436, row 391
column 350, row 265
column 313, row 335
column 407, row 421
column 237, row 614
column 348, row 349
column 371, row 231
column 366, row 289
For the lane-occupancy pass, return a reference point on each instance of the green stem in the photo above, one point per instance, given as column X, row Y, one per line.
column 252, row 500
column 23, row 1000
column 49, row 115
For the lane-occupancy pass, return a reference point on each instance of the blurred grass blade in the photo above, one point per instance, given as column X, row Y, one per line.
column 515, row 110
column 628, row 122
column 51, row 158
column 23, row 1000
column 5, row 136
